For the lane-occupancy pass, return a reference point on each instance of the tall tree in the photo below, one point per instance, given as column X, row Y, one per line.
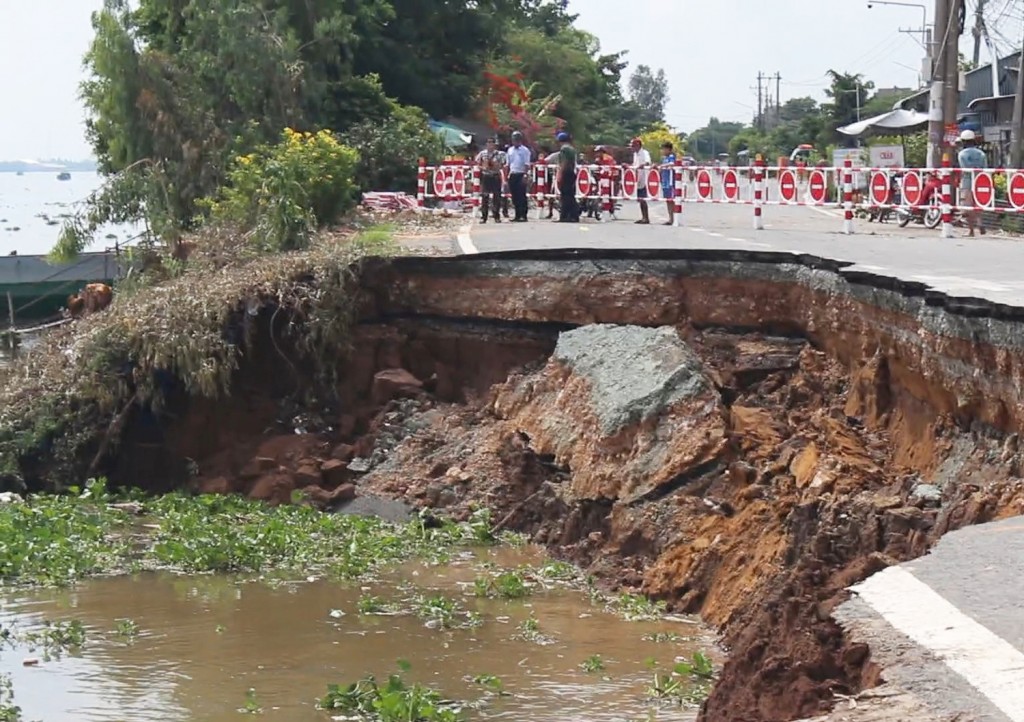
column 649, row 90
column 848, row 92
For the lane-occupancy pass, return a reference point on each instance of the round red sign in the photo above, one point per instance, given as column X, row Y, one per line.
column 818, row 186
column 459, row 183
column 787, row 186
column 629, row 182
column 1015, row 190
column 984, row 190
column 731, row 185
column 440, row 181
column 880, row 188
column 653, row 182
column 704, row 189
column 912, row 188
column 583, row 182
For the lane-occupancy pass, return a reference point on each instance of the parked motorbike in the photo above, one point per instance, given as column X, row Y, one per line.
column 926, row 212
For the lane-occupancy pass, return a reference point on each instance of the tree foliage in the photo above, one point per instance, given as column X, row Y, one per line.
column 649, row 90
column 177, row 88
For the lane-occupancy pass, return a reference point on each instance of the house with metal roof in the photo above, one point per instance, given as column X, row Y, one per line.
column 986, row 102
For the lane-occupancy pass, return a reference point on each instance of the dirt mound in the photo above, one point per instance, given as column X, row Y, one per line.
column 802, row 499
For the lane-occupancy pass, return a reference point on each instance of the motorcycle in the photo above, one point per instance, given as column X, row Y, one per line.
column 926, row 212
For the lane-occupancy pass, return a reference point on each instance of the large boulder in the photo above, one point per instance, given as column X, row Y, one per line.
column 630, row 410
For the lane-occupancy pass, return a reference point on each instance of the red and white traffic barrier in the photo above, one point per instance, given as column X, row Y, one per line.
column 947, row 198
column 847, row 196
column 758, row 193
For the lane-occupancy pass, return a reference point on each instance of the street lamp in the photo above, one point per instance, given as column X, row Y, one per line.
column 925, row 40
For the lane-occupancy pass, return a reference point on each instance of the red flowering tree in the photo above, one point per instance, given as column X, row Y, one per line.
column 509, row 105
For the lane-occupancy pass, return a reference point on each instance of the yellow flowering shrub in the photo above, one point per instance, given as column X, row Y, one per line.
column 281, row 193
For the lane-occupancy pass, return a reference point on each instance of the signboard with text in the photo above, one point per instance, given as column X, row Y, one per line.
column 887, row 156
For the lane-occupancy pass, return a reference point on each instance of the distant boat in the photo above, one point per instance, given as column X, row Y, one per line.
column 20, row 172
column 64, row 176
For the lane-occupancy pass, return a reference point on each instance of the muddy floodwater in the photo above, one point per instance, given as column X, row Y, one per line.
column 203, row 641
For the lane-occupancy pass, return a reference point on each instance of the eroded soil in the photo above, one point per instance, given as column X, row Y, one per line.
column 776, row 432
column 788, row 482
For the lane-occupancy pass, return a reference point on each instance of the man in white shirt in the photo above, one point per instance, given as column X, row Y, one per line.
column 517, row 161
column 641, row 161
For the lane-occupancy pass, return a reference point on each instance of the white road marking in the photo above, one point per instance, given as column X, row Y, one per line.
column 989, row 663
column 698, row 229
column 464, row 240
column 716, row 235
column 738, row 240
column 825, row 212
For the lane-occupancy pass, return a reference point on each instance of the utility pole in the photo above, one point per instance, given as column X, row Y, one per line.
column 936, row 127
column 760, row 114
column 1017, row 131
column 778, row 98
column 978, row 31
column 951, row 89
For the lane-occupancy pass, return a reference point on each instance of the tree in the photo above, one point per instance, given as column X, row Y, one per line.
column 797, row 109
column 847, row 92
column 714, row 138
column 649, row 91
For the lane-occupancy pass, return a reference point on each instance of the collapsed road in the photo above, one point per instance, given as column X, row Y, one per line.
column 744, row 435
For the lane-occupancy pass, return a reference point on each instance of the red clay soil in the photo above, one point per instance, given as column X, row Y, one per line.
column 796, row 486
column 805, row 498
column 802, row 480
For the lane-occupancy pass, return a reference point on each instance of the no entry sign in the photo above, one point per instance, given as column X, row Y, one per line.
column 818, row 186
column 1015, row 190
column 629, row 183
column 440, row 181
column 984, row 190
column 880, row 188
column 584, row 183
column 459, row 183
column 653, row 182
column 912, row 188
column 704, row 189
column 787, row 186
column 731, row 185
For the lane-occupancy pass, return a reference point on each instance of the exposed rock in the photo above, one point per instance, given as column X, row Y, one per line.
column 345, row 492
column 342, row 452
column 274, row 488
column 257, row 467
column 394, row 383
column 926, row 495
column 308, row 474
column 334, row 472
column 628, row 409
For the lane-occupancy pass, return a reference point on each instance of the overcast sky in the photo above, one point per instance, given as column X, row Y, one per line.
column 711, row 52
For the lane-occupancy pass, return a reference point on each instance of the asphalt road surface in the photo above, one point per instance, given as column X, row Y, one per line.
column 948, row 628
column 984, row 266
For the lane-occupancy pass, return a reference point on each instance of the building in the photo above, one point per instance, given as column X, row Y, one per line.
column 986, row 103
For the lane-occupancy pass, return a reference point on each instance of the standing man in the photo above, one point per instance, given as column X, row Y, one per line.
column 970, row 157
column 491, row 161
column 668, row 180
column 518, row 161
column 641, row 161
column 569, row 211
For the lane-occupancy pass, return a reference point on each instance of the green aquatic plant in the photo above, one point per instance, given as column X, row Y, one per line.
column 55, row 540
column 592, row 664
column 9, row 712
column 252, row 704
column 636, row 607
column 56, row 638
column 394, row 701
column 506, row 585
column 688, row 682
column 127, row 628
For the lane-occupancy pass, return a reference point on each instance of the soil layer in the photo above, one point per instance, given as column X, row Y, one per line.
column 744, row 435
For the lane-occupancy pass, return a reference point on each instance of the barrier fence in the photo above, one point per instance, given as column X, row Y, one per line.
column 846, row 188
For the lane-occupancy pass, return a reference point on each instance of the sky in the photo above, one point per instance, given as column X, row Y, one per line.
column 711, row 53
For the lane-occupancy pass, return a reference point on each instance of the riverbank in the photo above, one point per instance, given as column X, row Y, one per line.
column 740, row 435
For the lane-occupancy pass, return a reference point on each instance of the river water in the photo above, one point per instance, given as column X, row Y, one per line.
column 203, row 641
column 32, row 207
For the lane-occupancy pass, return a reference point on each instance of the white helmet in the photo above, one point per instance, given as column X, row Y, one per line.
column 967, row 136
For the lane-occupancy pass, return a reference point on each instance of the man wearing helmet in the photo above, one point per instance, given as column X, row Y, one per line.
column 517, row 160
column 970, row 157
column 641, row 160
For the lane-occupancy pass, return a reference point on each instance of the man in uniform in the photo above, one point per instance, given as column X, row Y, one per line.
column 491, row 161
column 569, row 211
